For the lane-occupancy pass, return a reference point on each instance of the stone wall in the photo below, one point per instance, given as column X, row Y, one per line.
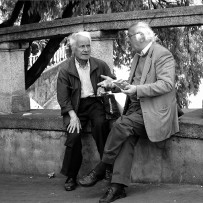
column 33, row 143
column 39, row 152
column 178, row 160
column 45, row 87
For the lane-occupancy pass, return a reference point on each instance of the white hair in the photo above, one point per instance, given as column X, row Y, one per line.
column 145, row 30
column 74, row 36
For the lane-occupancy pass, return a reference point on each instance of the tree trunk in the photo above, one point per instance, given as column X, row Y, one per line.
column 52, row 46
column 43, row 60
column 27, row 19
column 15, row 13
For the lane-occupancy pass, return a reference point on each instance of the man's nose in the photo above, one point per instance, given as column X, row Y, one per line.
column 86, row 48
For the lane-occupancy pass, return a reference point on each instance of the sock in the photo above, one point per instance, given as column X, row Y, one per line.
column 109, row 167
column 101, row 168
column 117, row 185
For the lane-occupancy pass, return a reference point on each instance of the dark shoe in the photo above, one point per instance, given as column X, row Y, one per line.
column 89, row 180
column 112, row 194
column 70, row 184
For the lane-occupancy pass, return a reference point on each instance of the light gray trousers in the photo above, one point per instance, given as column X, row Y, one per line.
column 119, row 148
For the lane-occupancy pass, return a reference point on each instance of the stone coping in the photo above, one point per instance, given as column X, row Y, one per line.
column 192, row 116
column 35, row 119
column 191, row 123
column 179, row 16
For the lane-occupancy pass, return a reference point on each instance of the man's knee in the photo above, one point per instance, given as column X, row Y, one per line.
column 118, row 123
column 72, row 139
column 100, row 122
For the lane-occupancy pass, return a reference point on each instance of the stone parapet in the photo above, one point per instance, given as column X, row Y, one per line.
column 32, row 142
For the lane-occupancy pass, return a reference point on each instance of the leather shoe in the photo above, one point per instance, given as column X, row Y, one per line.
column 112, row 194
column 70, row 184
column 91, row 179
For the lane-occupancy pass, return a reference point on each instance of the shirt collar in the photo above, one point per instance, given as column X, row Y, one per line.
column 77, row 64
column 145, row 50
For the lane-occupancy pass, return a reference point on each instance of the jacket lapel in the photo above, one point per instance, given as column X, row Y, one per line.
column 147, row 65
column 93, row 65
column 133, row 68
column 72, row 68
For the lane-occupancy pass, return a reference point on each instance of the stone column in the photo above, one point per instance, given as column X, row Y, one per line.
column 13, row 97
column 102, row 45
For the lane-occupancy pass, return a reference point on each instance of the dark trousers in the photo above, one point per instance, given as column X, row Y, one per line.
column 119, row 149
column 90, row 109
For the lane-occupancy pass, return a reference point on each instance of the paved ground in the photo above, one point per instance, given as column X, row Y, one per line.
column 19, row 189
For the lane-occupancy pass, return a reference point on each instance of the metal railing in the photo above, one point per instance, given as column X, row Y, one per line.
column 59, row 56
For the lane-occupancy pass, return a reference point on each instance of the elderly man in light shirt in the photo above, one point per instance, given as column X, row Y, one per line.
column 77, row 96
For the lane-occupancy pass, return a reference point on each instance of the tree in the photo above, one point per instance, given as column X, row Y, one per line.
column 188, row 59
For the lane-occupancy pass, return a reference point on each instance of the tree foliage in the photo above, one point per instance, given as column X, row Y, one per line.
column 183, row 42
column 185, row 45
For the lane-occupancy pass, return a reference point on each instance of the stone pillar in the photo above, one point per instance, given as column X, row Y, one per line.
column 102, row 45
column 13, row 97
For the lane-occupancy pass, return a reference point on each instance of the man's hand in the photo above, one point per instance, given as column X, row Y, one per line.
column 130, row 90
column 120, row 83
column 107, row 82
column 74, row 123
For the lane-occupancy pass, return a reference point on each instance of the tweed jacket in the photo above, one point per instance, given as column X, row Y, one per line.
column 156, row 93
